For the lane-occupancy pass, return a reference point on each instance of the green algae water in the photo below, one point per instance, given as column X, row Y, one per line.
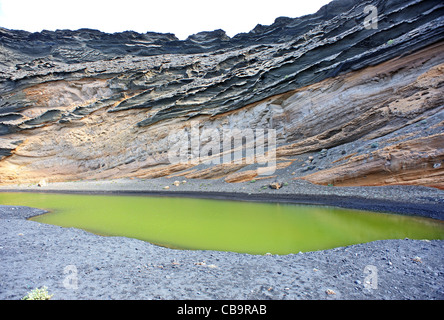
column 201, row 224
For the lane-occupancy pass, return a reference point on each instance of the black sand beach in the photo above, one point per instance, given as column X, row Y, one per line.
column 326, row 100
column 35, row 255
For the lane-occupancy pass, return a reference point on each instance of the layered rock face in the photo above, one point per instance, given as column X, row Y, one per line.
column 363, row 100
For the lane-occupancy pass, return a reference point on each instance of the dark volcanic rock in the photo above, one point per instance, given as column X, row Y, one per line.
column 269, row 60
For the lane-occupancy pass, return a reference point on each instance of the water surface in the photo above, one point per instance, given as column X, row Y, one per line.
column 201, row 224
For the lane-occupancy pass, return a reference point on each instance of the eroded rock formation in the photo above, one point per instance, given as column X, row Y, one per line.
column 88, row 105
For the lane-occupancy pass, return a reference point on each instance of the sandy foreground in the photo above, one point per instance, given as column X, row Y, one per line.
column 75, row 264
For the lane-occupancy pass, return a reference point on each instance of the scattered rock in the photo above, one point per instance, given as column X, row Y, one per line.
column 42, row 183
column 166, row 187
column 309, row 168
column 330, row 292
column 323, row 153
column 276, row 185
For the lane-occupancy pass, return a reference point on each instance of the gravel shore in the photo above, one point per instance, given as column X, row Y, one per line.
column 78, row 265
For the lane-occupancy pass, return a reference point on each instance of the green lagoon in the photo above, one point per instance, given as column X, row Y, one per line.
column 236, row 226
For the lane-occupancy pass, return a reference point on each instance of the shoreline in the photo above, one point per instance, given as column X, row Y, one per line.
column 35, row 254
column 406, row 200
column 357, row 203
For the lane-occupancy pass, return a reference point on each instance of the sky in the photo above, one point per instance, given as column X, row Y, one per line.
column 181, row 17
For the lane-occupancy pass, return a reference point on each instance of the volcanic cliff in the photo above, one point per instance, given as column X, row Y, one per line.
column 352, row 104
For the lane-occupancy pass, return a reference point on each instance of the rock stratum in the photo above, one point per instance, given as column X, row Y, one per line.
column 351, row 104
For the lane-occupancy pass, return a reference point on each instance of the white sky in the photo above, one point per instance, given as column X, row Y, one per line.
column 181, row 17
